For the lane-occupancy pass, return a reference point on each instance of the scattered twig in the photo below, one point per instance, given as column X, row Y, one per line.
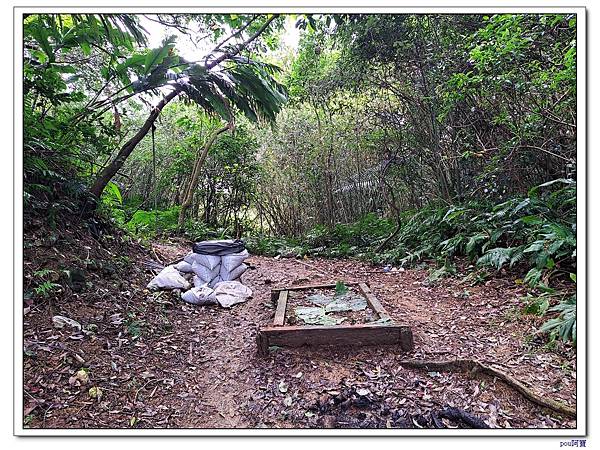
column 172, row 263
column 310, row 266
column 153, row 265
column 156, row 255
column 146, row 384
column 385, row 243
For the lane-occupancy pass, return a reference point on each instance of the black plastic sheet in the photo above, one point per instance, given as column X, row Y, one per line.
column 219, row 248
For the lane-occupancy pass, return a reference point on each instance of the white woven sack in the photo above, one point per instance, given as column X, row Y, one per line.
column 169, row 278
column 234, row 260
column 190, row 257
column 210, row 261
column 199, row 282
column 204, row 273
column 183, row 266
column 215, row 280
column 229, row 293
column 199, row 296
column 234, row 274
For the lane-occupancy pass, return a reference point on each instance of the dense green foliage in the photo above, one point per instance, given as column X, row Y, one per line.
column 536, row 232
column 535, row 235
column 393, row 138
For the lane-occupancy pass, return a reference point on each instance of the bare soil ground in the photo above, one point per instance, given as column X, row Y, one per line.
column 161, row 363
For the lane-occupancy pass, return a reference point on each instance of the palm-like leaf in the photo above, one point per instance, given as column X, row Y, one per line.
column 246, row 84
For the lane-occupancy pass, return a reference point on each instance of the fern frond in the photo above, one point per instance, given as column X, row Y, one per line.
column 496, row 257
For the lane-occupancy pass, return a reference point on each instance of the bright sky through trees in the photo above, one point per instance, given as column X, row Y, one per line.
column 192, row 51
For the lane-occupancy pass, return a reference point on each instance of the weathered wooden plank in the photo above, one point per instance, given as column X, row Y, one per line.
column 373, row 302
column 406, row 339
column 275, row 295
column 280, row 311
column 262, row 342
column 312, row 286
column 362, row 334
column 365, row 334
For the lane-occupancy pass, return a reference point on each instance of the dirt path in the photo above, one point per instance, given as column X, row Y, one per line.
column 162, row 363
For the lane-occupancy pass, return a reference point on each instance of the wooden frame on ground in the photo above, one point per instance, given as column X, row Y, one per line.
column 387, row 332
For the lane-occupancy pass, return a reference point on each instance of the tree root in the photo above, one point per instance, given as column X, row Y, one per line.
column 472, row 366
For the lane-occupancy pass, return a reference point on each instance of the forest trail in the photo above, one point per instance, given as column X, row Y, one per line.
column 163, row 363
column 415, row 139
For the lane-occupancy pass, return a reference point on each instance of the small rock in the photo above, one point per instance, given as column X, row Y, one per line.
column 283, row 387
column 61, row 321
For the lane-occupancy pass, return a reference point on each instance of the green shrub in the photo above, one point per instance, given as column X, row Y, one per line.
column 535, row 235
column 273, row 246
column 150, row 223
column 564, row 326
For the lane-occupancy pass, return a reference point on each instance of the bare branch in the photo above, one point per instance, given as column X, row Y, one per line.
column 231, row 36
column 241, row 46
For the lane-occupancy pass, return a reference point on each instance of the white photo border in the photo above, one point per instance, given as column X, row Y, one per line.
column 290, row 8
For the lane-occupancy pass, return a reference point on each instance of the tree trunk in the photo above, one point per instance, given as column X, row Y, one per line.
column 189, row 193
column 109, row 171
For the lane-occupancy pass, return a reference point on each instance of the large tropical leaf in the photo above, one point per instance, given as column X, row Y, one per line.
column 156, row 56
column 245, row 84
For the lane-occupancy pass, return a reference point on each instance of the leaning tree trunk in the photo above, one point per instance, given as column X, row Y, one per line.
column 109, row 171
column 189, row 193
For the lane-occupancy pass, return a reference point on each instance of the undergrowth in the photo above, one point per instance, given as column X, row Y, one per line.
column 533, row 235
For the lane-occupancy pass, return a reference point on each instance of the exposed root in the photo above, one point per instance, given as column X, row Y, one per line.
column 469, row 365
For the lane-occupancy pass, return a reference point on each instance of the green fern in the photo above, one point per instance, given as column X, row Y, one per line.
column 42, row 273
column 451, row 246
column 533, row 277
column 46, row 288
column 439, row 273
column 565, row 325
column 496, row 257
column 473, row 242
column 517, row 255
column 536, row 305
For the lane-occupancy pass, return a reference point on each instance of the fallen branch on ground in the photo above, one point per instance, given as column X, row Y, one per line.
column 310, row 266
column 152, row 265
column 469, row 365
column 154, row 252
column 457, row 415
column 172, row 263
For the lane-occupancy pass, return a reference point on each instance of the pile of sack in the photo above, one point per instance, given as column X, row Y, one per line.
column 214, row 268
